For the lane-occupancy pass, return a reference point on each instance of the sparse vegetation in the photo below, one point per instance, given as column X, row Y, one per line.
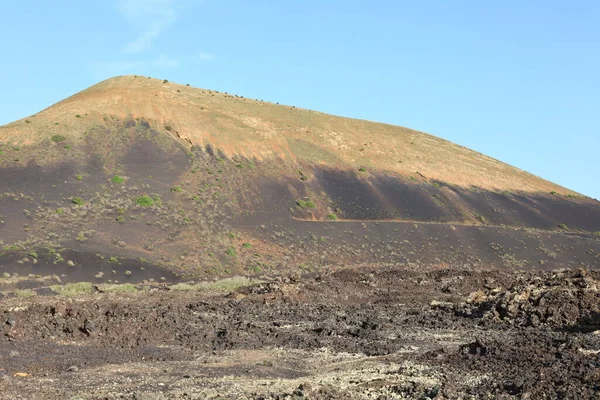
column 72, row 289
column 563, row 227
column 78, row 200
column 176, row 189
column 247, row 245
column 332, row 217
column 60, row 211
column 117, row 288
column 24, row 293
column 224, row 285
column 120, row 218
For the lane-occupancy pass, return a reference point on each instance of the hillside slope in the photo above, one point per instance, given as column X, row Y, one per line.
column 260, row 130
column 136, row 179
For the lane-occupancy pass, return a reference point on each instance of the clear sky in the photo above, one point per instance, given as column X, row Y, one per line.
column 516, row 80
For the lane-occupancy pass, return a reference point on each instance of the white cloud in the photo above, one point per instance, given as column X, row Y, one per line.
column 150, row 18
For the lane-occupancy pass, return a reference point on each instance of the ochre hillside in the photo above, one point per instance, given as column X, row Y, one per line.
column 260, row 130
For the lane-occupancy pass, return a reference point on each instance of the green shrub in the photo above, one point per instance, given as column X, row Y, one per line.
column 120, row 218
column 177, row 189
column 77, row 116
column 231, row 251
column 60, row 211
column 117, row 179
column 563, row 227
column 144, row 201
column 247, row 245
column 362, row 169
column 58, row 138
column 79, row 177
column 78, row 200
column 332, row 217
column 33, row 254
column 113, row 260
column 165, row 81
column 306, row 204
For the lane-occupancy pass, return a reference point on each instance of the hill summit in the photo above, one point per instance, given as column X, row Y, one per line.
column 255, row 129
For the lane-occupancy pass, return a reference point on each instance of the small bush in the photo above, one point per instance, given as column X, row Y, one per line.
column 332, row 217
column 58, row 138
column 60, row 211
column 144, row 201
column 79, row 177
column 77, row 116
column 231, row 251
column 78, row 200
column 32, row 254
column 113, row 260
column 117, row 179
column 165, row 81
column 362, row 169
column 306, row 204
column 120, row 218
column 247, row 245
column 176, row 189
column 168, row 127
column 563, row 227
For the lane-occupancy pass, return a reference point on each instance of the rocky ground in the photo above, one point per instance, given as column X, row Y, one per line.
column 350, row 334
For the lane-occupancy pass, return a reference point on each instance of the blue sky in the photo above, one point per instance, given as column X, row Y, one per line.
column 516, row 80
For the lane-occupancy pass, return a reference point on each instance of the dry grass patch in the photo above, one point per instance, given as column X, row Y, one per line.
column 223, row 285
